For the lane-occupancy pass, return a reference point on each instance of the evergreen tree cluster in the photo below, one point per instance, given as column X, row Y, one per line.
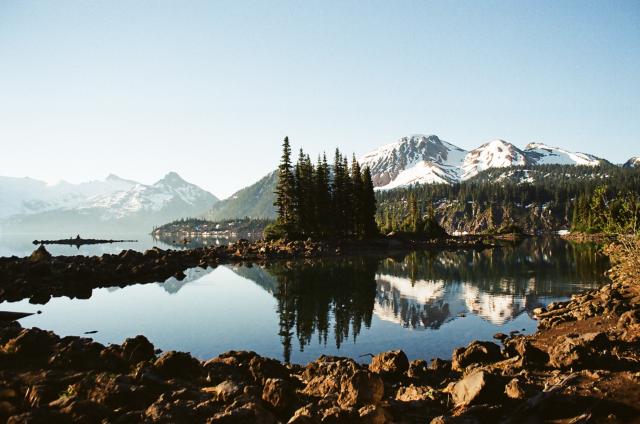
column 322, row 200
column 607, row 211
column 564, row 190
column 413, row 219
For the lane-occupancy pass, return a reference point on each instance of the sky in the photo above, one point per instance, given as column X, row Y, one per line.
column 209, row 89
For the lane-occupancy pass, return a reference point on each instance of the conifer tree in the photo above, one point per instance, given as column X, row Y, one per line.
column 369, row 226
column 357, row 198
column 285, row 188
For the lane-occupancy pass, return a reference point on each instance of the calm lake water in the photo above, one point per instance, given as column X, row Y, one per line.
column 22, row 244
column 426, row 303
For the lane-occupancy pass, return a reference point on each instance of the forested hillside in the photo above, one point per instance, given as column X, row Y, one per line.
column 533, row 199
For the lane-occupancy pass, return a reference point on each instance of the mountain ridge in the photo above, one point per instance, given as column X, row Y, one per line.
column 114, row 202
column 427, row 159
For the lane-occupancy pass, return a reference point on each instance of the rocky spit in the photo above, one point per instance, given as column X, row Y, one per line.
column 42, row 276
column 582, row 365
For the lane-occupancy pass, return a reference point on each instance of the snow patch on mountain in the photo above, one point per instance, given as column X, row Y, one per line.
column 414, row 159
column 633, row 162
column 494, row 154
column 426, row 159
column 541, row 154
column 112, row 198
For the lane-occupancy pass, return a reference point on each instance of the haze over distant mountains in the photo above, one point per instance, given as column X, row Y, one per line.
column 114, row 204
column 117, row 204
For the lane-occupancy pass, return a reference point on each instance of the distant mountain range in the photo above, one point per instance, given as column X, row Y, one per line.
column 117, row 204
column 422, row 159
column 114, row 204
column 419, row 159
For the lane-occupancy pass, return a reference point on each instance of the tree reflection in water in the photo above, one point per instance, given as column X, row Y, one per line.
column 312, row 294
column 334, row 298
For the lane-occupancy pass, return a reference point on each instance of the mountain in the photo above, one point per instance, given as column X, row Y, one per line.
column 416, row 159
column 29, row 196
column 114, row 204
column 420, row 159
column 494, row 154
column 541, row 154
column 255, row 201
column 634, row 162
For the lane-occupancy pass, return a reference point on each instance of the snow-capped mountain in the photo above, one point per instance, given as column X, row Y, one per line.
column 29, row 196
column 633, row 162
column 541, row 154
column 428, row 159
column 494, row 154
column 29, row 204
column 414, row 159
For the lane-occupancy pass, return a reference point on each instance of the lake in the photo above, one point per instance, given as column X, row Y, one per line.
column 22, row 244
column 426, row 303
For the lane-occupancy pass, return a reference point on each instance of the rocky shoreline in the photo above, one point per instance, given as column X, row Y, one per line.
column 582, row 365
column 42, row 276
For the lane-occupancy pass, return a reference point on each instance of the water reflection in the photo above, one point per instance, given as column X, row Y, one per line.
column 316, row 295
column 332, row 300
column 426, row 303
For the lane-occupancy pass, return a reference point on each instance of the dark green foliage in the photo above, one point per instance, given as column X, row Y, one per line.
column 255, row 201
column 276, row 231
column 197, row 225
column 564, row 191
column 313, row 203
column 607, row 211
column 286, row 188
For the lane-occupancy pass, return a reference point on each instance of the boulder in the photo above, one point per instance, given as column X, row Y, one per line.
column 515, row 389
column 31, row 343
column 326, row 375
column 137, row 349
column 393, row 363
column 361, row 388
column 477, row 387
column 279, row 393
column 373, row 414
column 415, row 396
column 265, row 368
column 40, row 254
column 531, row 355
column 250, row 412
column 174, row 364
column 475, row 353
column 576, row 351
column 224, row 391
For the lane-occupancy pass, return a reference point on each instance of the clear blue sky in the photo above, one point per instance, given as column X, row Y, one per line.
column 208, row 89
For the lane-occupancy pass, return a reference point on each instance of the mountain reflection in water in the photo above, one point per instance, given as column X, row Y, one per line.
column 425, row 302
column 335, row 298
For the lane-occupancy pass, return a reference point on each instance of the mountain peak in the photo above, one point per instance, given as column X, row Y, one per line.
column 172, row 178
column 113, row 177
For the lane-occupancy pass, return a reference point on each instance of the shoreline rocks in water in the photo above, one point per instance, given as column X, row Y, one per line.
column 581, row 367
column 42, row 276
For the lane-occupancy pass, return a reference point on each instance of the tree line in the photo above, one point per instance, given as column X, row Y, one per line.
column 607, row 211
column 572, row 193
column 322, row 200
